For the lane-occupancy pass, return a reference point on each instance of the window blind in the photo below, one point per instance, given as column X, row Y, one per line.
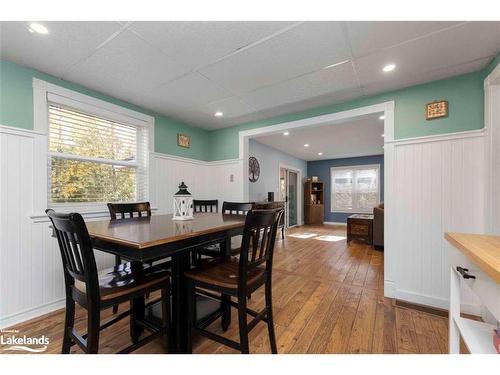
column 94, row 159
column 355, row 189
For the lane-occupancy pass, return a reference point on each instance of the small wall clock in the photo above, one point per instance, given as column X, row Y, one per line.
column 253, row 169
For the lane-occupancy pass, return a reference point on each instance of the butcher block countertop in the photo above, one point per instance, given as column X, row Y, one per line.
column 482, row 249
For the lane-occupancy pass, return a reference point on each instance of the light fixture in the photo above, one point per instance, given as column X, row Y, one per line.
column 38, row 28
column 382, row 117
column 306, row 145
column 286, row 133
column 336, row 64
column 389, row 68
column 320, row 153
column 218, row 114
column 383, row 135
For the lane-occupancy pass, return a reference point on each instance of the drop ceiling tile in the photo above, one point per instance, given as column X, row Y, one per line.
column 370, row 36
column 433, row 75
column 303, row 49
column 338, row 78
column 54, row 53
column 124, row 66
column 199, row 43
column 192, row 89
column 231, row 107
column 448, row 48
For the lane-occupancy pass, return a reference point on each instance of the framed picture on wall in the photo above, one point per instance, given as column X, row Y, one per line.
column 183, row 140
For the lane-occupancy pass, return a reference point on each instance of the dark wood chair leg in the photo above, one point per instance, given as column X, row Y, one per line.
column 243, row 325
column 166, row 319
column 283, row 232
column 191, row 314
column 68, row 325
column 137, row 307
column 226, row 312
column 270, row 321
column 93, row 329
column 118, row 261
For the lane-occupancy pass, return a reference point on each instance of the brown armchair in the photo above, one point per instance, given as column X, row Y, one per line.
column 378, row 226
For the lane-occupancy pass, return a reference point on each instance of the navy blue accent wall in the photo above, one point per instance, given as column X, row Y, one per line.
column 321, row 168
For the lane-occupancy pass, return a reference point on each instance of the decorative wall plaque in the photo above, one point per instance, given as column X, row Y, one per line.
column 437, row 109
column 183, row 140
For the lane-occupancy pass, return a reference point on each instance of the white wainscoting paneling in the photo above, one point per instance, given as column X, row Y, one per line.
column 438, row 186
column 205, row 180
column 31, row 276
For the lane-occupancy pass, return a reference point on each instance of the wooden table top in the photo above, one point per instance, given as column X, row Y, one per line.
column 482, row 249
column 144, row 232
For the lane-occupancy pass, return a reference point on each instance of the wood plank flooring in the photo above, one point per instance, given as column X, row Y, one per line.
column 327, row 296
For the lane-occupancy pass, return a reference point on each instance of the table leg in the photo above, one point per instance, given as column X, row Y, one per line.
column 180, row 263
column 137, row 307
column 225, row 306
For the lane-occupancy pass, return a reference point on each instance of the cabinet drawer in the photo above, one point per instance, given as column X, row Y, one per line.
column 483, row 286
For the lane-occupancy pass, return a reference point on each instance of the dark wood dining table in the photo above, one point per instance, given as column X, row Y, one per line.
column 148, row 239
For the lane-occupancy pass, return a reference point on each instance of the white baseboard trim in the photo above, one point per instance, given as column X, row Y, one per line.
column 440, row 303
column 334, row 223
column 389, row 288
column 31, row 313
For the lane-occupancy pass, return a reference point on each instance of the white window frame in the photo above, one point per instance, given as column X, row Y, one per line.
column 45, row 93
column 355, row 210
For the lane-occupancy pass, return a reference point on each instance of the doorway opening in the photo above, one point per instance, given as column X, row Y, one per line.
column 289, row 193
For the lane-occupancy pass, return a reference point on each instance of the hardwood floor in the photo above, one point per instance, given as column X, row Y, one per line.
column 327, row 297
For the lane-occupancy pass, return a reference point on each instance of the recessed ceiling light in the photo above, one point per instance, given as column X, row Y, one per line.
column 320, row 153
column 286, row 133
column 382, row 117
column 336, row 64
column 389, row 68
column 38, row 28
column 383, row 135
column 218, row 114
column 306, row 145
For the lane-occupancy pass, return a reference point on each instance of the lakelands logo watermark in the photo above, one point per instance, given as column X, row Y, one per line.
column 11, row 340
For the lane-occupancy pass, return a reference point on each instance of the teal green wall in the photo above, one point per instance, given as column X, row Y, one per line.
column 464, row 94
column 16, row 109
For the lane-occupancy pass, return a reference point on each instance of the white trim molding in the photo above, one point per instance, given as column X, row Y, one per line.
column 492, row 152
column 385, row 108
column 45, row 92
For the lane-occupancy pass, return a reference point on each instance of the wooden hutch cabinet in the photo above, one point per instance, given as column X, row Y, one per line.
column 314, row 211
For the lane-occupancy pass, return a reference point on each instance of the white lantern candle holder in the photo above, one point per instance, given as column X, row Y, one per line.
column 183, row 204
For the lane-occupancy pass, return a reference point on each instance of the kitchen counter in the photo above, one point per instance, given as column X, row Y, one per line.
column 482, row 249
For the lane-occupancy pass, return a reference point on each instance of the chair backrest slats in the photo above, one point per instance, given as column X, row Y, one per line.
column 121, row 210
column 206, row 205
column 76, row 250
column 257, row 245
column 236, row 208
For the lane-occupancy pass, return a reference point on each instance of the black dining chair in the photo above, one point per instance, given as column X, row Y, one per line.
column 228, row 208
column 123, row 211
column 239, row 278
column 211, row 250
column 95, row 292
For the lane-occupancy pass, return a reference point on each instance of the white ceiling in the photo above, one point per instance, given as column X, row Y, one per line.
column 248, row 70
column 357, row 137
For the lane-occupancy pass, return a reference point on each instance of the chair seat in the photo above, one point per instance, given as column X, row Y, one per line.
column 224, row 274
column 120, row 281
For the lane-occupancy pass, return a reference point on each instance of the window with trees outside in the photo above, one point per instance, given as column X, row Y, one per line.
column 93, row 159
column 355, row 189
